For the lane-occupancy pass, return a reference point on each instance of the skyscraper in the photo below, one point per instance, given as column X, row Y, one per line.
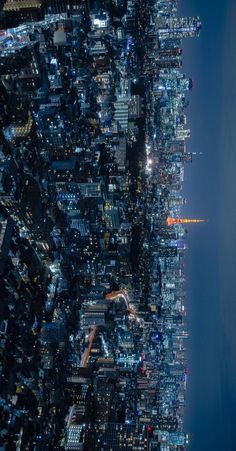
column 175, row 28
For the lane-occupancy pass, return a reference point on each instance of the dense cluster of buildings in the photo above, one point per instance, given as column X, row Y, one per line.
column 92, row 155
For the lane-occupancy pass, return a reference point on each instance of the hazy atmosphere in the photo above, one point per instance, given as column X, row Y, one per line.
column 211, row 189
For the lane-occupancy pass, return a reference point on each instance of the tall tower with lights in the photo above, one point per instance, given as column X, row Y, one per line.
column 173, row 221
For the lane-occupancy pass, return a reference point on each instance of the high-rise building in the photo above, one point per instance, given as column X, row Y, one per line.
column 174, row 28
column 116, row 437
column 24, row 10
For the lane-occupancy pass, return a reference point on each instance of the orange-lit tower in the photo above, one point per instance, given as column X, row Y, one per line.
column 172, row 221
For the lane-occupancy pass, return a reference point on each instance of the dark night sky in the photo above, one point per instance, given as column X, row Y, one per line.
column 210, row 188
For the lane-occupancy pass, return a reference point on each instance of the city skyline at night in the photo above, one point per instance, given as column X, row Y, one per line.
column 95, row 148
